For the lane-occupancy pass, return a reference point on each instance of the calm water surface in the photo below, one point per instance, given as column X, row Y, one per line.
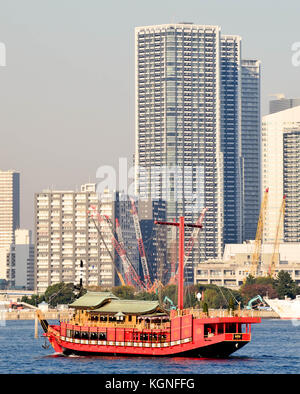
column 274, row 349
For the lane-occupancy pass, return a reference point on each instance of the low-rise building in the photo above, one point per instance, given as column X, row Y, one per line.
column 236, row 264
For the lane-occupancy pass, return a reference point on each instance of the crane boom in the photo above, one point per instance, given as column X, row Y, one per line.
column 139, row 238
column 106, row 247
column 259, row 234
column 276, row 242
column 128, row 268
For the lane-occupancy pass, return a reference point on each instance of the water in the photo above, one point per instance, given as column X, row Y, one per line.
column 274, row 349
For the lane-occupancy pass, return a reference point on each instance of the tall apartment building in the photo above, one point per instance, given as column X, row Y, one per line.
column 65, row 234
column 9, row 206
column 291, row 183
column 282, row 103
column 20, row 261
column 251, row 145
column 231, row 138
column 280, row 160
column 178, row 154
column 191, row 135
column 9, row 214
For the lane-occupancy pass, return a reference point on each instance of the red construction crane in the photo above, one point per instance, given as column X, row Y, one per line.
column 129, row 271
column 139, row 238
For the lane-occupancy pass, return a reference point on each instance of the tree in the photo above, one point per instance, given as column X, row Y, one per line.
column 285, row 285
column 205, row 308
column 60, row 293
column 124, row 292
column 33, row 300
column 249, row 291
column 250, row 280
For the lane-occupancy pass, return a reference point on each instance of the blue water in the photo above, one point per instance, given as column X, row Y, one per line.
column 274, row 349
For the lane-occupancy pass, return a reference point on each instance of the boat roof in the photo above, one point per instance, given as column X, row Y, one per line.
column 93, row 299
column 137, row 307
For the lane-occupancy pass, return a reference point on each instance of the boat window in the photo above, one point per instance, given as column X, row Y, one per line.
column 84, row 335
column 94, row 335
column 77, row 335
column 102, row 336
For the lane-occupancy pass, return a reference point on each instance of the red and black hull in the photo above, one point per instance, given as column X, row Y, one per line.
column 186, row 337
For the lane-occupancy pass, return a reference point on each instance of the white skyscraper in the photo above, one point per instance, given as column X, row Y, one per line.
column 280, row 162
column 9, row 206
column 9, row 213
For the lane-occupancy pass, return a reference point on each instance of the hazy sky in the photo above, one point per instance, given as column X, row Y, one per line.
column 67, row 91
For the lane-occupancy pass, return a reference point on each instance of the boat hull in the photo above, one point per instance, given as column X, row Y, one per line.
column 219, row 346
column 218, row 350
column 286, row 309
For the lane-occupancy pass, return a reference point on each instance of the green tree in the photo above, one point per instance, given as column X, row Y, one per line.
column 205, row 308
column 285, row 285
column 124, row 292
column 33, row 300
column 250, row 280
column 60, row 293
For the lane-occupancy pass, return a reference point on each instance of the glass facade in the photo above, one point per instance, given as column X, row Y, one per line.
column 251, row 146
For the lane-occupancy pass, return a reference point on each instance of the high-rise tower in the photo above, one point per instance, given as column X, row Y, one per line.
column 178, row 148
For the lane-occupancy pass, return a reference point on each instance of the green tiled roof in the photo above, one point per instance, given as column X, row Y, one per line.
column 93, row 299
column 130, row 306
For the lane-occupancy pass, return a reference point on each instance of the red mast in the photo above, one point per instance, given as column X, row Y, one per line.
column 181, row 226
column 181, row 262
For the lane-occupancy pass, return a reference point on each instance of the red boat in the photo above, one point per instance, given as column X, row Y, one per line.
column 103, row 324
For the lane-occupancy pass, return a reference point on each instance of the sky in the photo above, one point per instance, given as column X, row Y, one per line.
column 67, row 90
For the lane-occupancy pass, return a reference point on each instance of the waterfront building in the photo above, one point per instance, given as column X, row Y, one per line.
column 280, row 161
column 282, row 103
column 9, row 213
column 20, row 261
column 235, row 266
column 251, row 145
column 178, row 154
column 65, row 235
column 197, row 113
column 231, row 138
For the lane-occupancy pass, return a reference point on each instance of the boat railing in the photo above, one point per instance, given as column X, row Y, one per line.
column 214, row 313
column 139, row 326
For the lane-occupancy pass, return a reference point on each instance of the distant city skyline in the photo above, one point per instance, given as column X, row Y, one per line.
column 67, row 90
